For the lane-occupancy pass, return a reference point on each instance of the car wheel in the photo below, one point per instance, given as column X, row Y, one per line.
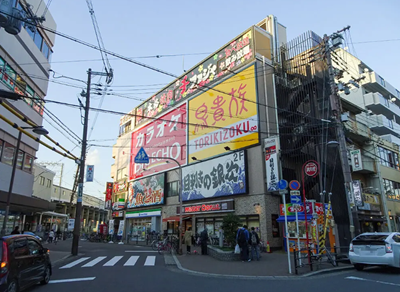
column 12, row 286
column 359, row 267
column 46, row 277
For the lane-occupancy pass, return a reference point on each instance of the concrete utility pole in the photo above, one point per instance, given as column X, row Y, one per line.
column 337, row 109
column 77, row 226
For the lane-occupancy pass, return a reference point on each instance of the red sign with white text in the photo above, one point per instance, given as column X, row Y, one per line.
column 164, row 137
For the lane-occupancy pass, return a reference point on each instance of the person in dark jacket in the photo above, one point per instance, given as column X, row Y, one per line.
column 242, row 238
column 254, row 242
column 16, row 230
column 203, row 240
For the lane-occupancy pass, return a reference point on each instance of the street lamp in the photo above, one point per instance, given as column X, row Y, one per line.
column 38, row 130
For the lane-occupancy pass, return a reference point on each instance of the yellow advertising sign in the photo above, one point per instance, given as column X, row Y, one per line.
column 225, row 115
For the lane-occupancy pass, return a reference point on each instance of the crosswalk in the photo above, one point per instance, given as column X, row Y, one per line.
column 104, row 261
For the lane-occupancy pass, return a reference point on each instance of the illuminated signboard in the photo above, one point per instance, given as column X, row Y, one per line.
column 226, row 115
column 147, row 191
column 164, row 137
column 109, row 191
column 214, row 207
column 222, row 176
column 236, row 54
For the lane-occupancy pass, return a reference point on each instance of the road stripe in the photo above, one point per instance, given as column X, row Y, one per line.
column 140, row 251
column 150, row 261
column 113, row 261
column 70, row 265
column 132, row 261
column 93, row 262
column 72, row 280
column 375, row 281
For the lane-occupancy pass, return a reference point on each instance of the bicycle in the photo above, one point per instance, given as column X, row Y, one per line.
column 164, row 246
column 318, row 257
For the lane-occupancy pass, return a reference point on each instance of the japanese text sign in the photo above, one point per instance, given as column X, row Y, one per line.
column 222, row 176
column 271, row 163
column 214, row 207
column 165, row 137
column 291, row 210
column 225, row 115
column 147, row 191
column 231, row 57
column 109, row 192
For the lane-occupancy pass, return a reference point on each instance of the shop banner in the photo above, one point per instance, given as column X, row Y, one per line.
column 226, row 115
column 147, row 191
column 205, row 208
column 117, row 214
column 121, row 228
column 164, row 137
column 234, row 55
column 356, row 160
column 111, row 227
column 109, row 192
column 118, row 205
column 357, row 193
column 291, row 210
column 222, row 176
column 120, row 186
column 146, row 213
column 71, row 224
column 371, row 203
column 271, row 163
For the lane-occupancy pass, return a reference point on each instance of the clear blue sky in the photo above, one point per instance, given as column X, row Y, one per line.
column 145, row 28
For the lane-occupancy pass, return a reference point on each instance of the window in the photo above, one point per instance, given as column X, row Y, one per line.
column 389, row 158
column 21, row 248
column 42, row 180
column 398, row 93
column 21, row 85
column 45, row 50
column 55, row 190
column 396, row 238
column 1, row 147
column 8, row 154
column 2, row 63
column 20, row 159
column 34, row 247
column 28, row 163
column 38, row 40
column 63, row 193
column 172, row 189
column 382, row 81
column 49, row 183
column 9, row 77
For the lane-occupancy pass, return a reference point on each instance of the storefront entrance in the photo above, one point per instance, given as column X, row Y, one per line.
column 142, row 223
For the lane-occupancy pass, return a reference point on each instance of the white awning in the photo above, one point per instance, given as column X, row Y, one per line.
column 54, row 214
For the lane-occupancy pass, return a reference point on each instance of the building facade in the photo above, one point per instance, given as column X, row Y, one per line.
column 24, row 69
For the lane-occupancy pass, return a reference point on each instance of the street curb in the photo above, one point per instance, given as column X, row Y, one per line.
column 169, row 258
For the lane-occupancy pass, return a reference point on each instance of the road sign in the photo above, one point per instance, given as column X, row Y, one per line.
column 294, row 185
column 283, row 192
column 311, row 168
column 141, row 156
column 282, row 184
column 89, row 173
column 295, row 197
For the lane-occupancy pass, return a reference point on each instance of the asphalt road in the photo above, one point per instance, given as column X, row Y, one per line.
column 111, row 267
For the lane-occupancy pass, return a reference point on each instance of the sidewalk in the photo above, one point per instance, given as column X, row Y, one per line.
column 271, row 264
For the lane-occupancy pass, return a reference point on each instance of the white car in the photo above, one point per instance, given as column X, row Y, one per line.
column 379, row 248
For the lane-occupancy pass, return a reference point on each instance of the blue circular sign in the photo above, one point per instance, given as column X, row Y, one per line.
column 282, row 184
column 294, row 185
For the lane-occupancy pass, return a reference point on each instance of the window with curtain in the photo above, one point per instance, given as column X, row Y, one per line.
column 20, row 159
column 28, row 162
column 7, row 156
column 172, row 189
column 9, row 76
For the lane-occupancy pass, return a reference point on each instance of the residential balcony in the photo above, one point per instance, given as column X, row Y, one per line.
column 380, row 105
column 357, row 131
column 375, row 83
column 381, row 125
column 368, row 165
column 392, row 139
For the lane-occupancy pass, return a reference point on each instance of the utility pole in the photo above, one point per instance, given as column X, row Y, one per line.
column 337, row 110
column 77, row 226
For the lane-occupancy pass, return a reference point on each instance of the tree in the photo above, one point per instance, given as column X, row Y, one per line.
column 230, row 226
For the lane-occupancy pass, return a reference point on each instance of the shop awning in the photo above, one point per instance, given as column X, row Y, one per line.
column 175, row 218
column 25, row 204
column 54, row 214
column 292, row 218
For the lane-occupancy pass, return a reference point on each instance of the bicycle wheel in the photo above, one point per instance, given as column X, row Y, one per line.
column 155, row 245
column 161, row 248
column 330, row 258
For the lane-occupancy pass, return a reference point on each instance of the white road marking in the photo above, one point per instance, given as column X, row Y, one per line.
column 113, row 261
column 70, row 265
column 132, row 261
column 150, row 261
column 93, row 262
column 375, row 281
column 141, row 251
column 72, row 280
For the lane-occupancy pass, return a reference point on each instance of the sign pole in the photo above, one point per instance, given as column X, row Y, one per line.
column 287, row 234
column 298, row 236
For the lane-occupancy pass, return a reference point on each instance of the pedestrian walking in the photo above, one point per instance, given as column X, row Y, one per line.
column 16, row 230
column 188, row 239
column 51, row 236
column 254, row 244
column 242, row 238
column 203, row 240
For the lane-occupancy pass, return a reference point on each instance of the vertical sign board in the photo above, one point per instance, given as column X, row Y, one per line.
column 234, row 55
column 226, row 114
column 222, row 176
column 358, row 199
column 356, row 160
column 147, row 191
column 111, row 227
column 165, row 137
column 89, row 173
column 271, row 163
column 109, row 191
column 71, row 224
column 121, row 227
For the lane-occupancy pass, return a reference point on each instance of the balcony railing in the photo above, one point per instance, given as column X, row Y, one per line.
column 380, row 105
column 383, row 126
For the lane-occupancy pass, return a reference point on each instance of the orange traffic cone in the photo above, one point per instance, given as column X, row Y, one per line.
column 268, row 248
